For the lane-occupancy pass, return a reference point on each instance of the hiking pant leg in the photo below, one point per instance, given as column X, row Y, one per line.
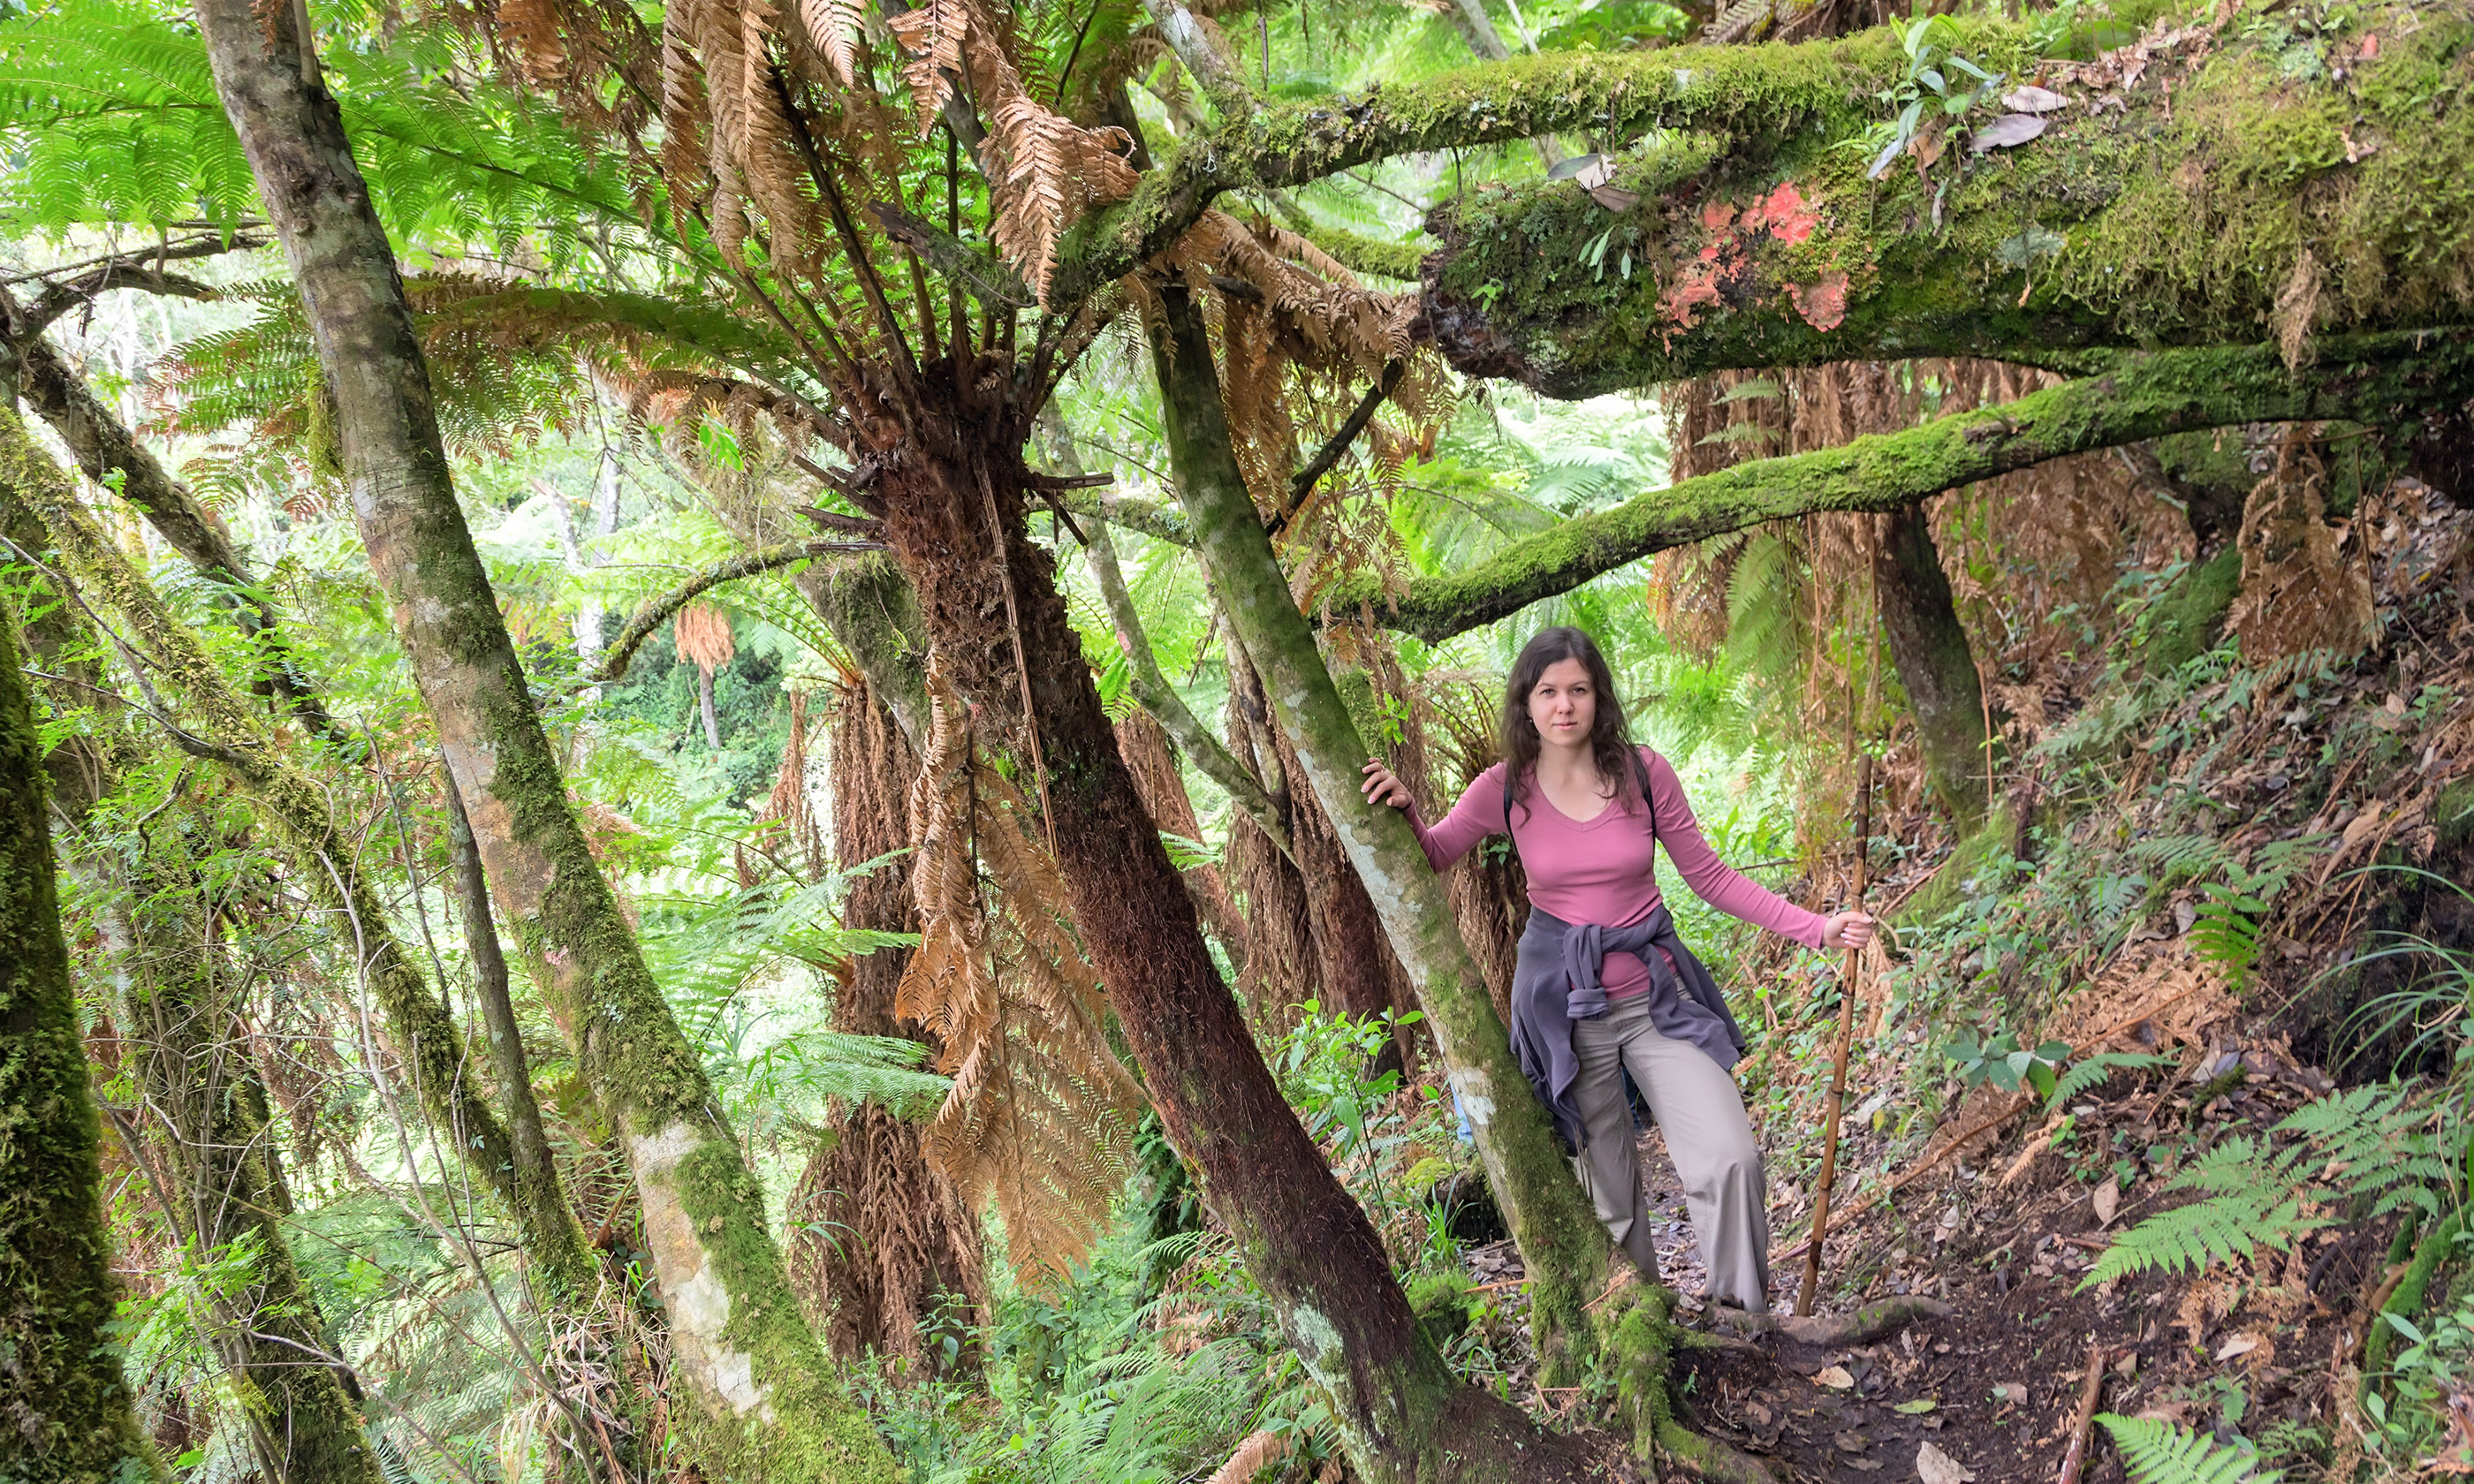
column 1610, row 1166
column 1701, row 1110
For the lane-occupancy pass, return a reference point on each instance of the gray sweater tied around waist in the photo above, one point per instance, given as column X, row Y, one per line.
column 1554, row 982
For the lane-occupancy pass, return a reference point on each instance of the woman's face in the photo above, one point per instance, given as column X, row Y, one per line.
column 1564, row 703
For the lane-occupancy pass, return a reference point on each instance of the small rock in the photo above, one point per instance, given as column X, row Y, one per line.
column 1851, row 1442
column 1837, row 1379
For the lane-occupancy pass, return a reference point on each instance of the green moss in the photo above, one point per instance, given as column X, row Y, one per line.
column 2188, row 618
column 2179, row 218
column 67, row 1403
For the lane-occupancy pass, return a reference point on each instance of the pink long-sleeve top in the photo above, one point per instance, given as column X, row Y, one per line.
column 1601, row 870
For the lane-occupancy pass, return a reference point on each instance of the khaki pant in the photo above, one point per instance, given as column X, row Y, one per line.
column 1702, row 1113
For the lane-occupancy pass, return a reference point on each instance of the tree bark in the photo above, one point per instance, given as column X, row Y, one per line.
column 2182, row 216
column 1565, row 1247
column 2384, row 380
column 67, row 1403
column 1151, row 756
column 1936, row 665
column 104, row 446
column 763, row 1386
column 38, row 509
column 884, row 1241
column 954, row 509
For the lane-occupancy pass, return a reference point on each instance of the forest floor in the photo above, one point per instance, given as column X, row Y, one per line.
column 1997, row 1387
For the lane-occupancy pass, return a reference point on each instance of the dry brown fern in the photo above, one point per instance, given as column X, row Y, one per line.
column 1040, row 1115
column 1044, row 171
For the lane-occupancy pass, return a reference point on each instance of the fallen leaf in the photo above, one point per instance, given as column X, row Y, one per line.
column 1935, row 1467
column 1574, row 165
column 2011, row 1391
column 1916, row 1408
column 2239, row 1345
column 1851, row 1442
column 2032, row 99
column 2004, row 133
column 2108, row 1201
column 1837, row 1379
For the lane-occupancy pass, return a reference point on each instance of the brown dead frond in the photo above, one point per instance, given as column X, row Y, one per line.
column 2305, row 584
column 1040, row 1115
column 703, row 635
column 1045, row 171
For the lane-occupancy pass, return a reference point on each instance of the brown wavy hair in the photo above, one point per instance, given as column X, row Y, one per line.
column 1611, row 745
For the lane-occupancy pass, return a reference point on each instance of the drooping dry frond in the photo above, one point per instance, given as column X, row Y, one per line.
column 1040, row 1115
column 1045, row 172
column 704, row 637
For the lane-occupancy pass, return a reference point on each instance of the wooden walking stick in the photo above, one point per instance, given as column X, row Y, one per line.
column 1839, row 1061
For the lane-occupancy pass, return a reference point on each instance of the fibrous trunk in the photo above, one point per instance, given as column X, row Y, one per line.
column 954, row 515
column 887, row 1254
column 1151, row 758
column 1935, row 664
column 1559, row 1237
column 761, row 1383
column 64, row 1393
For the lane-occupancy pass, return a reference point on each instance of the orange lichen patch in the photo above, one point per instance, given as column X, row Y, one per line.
column 1723, row 272
column 1822, row 304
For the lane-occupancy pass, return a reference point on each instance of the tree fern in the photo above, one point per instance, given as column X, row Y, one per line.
column 2368, row 1143
column 2158, row 1452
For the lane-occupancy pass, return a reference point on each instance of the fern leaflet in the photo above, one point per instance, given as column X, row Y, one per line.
column 2158, row 1452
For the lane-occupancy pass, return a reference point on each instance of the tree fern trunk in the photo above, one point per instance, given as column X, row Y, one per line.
column 1936, row 667
column 67, row 1403
column 883, row 1244
column 762, row 1387
column 1560, row 1237
column 992, row 610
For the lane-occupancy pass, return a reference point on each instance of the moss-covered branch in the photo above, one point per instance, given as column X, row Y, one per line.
column 659, row 609
column 2378, row 379
column 2240, row 175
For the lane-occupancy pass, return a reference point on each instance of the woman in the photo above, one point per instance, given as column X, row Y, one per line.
column 1589, row 995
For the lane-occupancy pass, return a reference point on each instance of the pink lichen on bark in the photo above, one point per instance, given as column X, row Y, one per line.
column 1723, row 271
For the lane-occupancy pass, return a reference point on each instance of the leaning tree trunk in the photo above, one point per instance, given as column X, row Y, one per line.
column 1151, row 758
column 883, row 1239
column 1565, row 1247
column 953, row 498
column 1283, row 968
column 62, row 1391
column 204, row 1103
column 39, row 509
column 767, row 1397
column 1935, row 664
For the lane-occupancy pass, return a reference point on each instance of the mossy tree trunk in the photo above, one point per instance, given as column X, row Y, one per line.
column 2386, row 381
column 40, row 510
column 105, row 447
column 953, row 502
column 205, row 1103
column 64, row 1393
column 1935, row 664
column 764, row 1389
column 1561, row 1240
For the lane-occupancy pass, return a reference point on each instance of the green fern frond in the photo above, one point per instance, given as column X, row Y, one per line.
column 2158, row 1452
column 2254, row 1200
column 2179, row 858
column 2098, row 1070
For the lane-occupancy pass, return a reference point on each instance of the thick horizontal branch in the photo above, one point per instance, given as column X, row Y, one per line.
column 2382, row 380
column 1611, row 95
column 2185, row 192
column 658, row 609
